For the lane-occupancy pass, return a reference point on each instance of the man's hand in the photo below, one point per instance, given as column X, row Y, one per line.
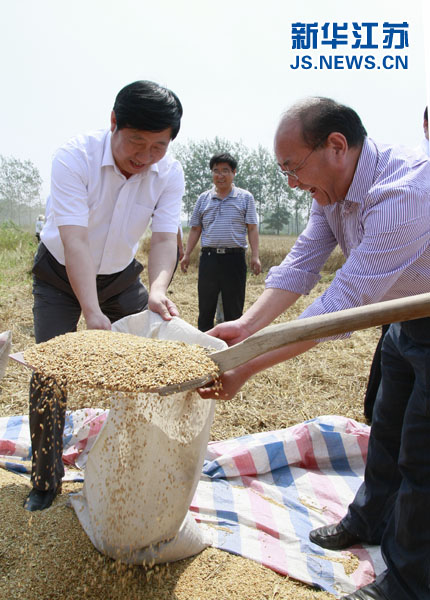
column 255, row 265
column 159, row 303
column 185, row 261
column 231, row 332
column 231, row 382
column 97, row 321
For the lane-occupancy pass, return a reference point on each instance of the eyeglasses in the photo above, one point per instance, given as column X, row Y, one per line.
column 222, row 171
column 293, row 172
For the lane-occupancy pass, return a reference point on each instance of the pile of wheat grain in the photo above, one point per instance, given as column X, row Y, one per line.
column 116, row 361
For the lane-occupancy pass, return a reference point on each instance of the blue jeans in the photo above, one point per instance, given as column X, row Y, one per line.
column 392, row 507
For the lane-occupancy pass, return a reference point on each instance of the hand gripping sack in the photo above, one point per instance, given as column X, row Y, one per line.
column 145, row 465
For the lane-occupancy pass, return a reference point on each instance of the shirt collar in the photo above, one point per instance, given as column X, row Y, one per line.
column 232, row 194
column 109, row 161
column 364, row 173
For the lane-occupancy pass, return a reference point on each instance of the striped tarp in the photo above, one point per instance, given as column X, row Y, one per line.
column 263, row 493
column 80, row 432
column 259, row 495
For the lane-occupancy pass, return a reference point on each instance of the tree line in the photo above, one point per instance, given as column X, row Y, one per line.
column 280, row 208
column 20, row 185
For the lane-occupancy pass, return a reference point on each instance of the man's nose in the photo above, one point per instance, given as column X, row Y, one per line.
column 293, row 182
column 144, row 156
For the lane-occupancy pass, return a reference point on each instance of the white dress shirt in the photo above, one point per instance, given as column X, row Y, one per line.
column 88, row 189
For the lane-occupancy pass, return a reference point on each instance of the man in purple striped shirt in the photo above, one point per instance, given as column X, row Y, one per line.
column 374, row 201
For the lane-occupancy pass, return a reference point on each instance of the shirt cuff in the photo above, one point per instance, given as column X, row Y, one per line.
column 71, row 220
column 293, row 280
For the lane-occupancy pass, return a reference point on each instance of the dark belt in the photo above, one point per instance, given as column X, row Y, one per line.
column 48, row 269
column 208, row 250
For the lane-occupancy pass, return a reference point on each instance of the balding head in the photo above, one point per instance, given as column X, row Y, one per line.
column 316, row 117
column 317, row 146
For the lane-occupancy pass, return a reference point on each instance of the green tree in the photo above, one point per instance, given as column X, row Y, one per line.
column 300, row 203
column 20, row 184
column 277, row 218
column 194, row 157
column 259, row 172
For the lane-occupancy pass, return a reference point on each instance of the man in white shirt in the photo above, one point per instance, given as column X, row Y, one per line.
column 106, row 187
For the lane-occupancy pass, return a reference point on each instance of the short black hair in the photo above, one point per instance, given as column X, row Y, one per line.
column 147, row 106
column 225, row 157
column 426, row 114
column 321, row 116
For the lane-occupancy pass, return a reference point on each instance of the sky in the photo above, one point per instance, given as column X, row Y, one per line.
column 230, row 63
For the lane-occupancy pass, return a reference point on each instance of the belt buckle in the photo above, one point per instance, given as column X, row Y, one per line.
column 220, row 250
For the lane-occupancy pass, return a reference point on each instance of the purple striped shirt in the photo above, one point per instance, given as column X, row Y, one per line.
column 382, row 228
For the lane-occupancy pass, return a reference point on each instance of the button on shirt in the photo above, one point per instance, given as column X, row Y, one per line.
column 382, row 228
column 224, row 221
column 88, row 189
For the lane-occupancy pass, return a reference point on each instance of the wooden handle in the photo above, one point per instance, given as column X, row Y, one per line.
column 314, row 328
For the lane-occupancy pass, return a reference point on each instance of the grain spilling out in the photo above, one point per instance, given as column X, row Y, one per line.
column 118, row 361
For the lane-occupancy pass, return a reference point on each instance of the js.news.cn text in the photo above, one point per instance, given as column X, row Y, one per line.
column 370, row 45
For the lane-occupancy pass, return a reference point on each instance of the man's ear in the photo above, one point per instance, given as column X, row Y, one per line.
column 112, row 121
column 337, row 142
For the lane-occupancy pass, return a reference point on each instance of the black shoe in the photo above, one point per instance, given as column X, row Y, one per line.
column 368, row 592
column 333, row 537
column 39, row 500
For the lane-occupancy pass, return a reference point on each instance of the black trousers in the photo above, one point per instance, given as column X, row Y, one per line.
column 391, row 507
column 374, row 378
column 56, row 311
column 225, row 273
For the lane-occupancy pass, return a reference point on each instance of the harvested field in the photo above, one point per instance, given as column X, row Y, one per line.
column 48, row 556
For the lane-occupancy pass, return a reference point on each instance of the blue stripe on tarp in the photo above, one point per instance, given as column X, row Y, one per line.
column 223, row 496
column 213, row 469
column 299, row 516
column 337, row 455
column 16, row 467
